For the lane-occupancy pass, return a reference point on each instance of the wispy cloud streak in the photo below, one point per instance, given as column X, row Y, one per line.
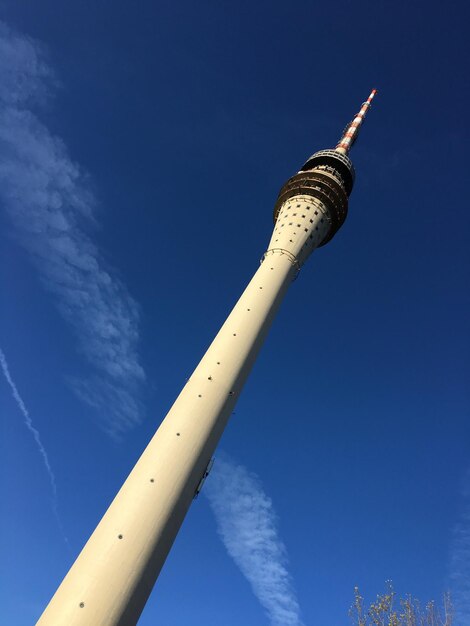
column 35, row 433
column 247, row 525
column 460, row 560
column 50, row 201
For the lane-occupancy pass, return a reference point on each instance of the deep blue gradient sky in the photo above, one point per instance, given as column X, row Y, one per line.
column 187, row 118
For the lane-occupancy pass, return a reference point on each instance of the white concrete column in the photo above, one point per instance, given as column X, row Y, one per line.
column 113, row 576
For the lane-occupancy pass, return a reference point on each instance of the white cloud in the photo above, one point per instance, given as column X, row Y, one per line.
column 246, row 523
column 35, row 433
column 49, row 200
column 460, row 561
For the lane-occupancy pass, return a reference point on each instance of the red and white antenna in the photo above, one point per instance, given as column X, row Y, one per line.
column 352, row 130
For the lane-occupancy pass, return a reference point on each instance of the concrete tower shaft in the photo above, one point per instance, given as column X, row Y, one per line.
column 109, row 583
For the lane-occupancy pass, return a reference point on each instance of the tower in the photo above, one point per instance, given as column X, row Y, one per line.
column 109, row 583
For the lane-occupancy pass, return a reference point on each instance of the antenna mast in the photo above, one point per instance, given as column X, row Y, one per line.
column 352, row 130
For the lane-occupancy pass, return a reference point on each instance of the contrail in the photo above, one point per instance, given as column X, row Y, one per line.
column 29, row 425
column 246, row 523
column 51, row 203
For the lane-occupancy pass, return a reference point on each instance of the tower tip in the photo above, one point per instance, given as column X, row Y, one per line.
column 352, row 130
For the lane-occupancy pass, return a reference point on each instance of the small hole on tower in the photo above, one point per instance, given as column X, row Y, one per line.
column 152, row 480
column 261, row 288
column 178, row 434
column 119, row 536
column 199, row 396
column 234, row 334
column 81, row 605
column 306, row 230
column 218, row 362
column 248, row 309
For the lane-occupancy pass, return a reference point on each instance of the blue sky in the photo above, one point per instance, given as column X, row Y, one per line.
column 157, row 137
